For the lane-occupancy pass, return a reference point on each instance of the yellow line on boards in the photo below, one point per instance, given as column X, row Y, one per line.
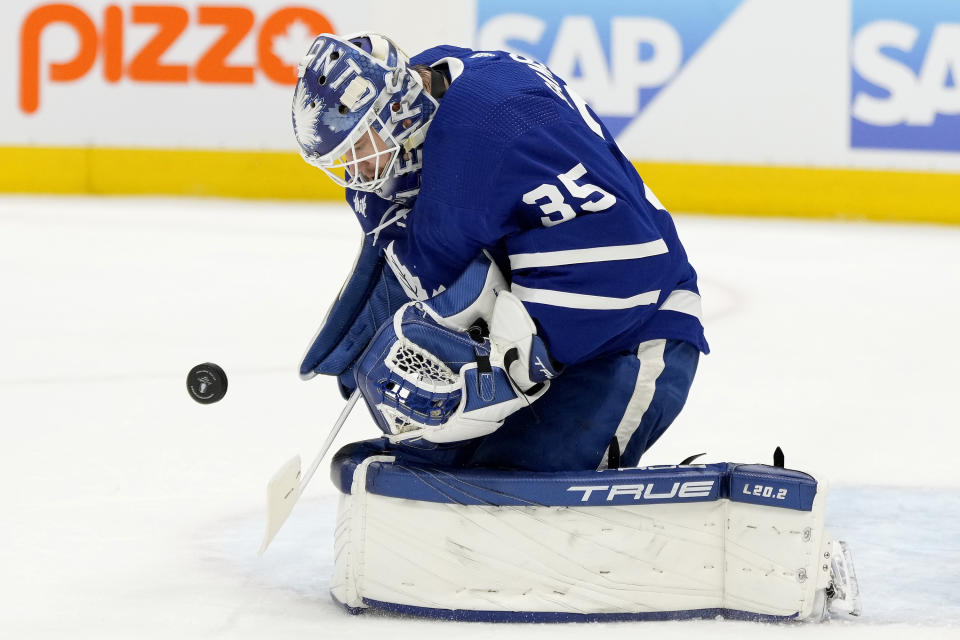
column 806, row 192
column 44, row 170
column 232, row 174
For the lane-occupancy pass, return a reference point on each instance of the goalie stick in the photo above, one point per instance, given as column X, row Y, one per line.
column 286, row 487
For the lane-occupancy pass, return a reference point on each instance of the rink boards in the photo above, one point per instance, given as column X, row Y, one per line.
column 865, row 124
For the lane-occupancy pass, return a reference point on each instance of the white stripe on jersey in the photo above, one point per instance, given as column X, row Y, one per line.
column 650, row 354
column 581, row 300
column 684, row 302
column 580, row 256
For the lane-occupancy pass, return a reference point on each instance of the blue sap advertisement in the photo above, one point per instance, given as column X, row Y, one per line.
column 905, row 79
column 618, row 55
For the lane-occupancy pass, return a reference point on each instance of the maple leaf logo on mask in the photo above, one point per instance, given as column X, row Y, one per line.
column 305, row 114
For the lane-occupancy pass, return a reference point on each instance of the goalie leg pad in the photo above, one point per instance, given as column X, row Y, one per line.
column 742, row 541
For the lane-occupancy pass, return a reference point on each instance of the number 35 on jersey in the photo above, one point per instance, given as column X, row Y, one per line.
column 553, row 203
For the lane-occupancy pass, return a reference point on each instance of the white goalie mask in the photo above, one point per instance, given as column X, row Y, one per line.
column 360, row 113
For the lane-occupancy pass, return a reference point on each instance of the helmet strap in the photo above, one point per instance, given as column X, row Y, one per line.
column 438, row 83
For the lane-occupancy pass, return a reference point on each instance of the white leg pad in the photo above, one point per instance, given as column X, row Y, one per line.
column 649, row 557
column 349, row 539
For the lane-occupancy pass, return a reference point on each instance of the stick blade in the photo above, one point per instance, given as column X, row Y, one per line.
column 282, row 493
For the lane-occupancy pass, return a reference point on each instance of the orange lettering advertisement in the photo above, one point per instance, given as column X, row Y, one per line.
column 280, row 37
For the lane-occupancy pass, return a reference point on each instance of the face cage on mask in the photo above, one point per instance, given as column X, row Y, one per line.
column 344, row 158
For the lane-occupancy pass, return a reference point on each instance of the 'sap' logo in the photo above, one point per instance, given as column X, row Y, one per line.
column 906, row 75
column 617, row 55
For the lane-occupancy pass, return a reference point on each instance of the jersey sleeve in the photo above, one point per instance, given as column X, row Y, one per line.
column 537, row 180
column 458, row 212
column 598, row 264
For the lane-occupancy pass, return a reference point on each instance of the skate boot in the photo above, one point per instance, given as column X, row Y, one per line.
column 843, row 591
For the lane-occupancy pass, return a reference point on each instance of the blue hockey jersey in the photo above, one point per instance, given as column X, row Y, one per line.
column 516, row 163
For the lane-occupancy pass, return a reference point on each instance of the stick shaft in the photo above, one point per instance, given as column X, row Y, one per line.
column 286, row 486
column 329, row 441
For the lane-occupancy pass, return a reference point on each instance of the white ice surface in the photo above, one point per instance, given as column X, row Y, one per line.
column 130, row 511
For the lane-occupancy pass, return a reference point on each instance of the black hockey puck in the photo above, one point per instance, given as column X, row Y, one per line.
column 207, row 383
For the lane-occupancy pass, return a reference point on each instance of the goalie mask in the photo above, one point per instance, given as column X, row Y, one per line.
column 360, row 113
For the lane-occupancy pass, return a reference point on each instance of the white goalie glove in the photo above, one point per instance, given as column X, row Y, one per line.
column 437, row 373
column 514, row 339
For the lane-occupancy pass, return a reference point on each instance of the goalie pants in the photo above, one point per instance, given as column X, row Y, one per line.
column 608, row 410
